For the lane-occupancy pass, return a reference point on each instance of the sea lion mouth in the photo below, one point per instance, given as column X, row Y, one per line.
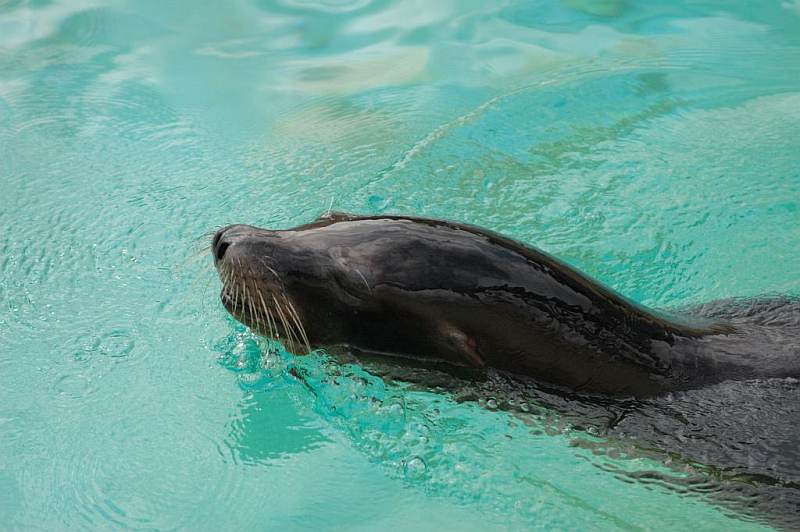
column 254, row 294
column 265, row 310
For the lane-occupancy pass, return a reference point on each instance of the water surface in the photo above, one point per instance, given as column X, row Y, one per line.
column 651, row 144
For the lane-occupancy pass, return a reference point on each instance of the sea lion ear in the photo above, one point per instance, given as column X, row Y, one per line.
column 335, row 216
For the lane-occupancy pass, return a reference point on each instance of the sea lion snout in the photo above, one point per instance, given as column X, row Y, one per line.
column 268, row 284
column 217, row 249
column 230, row 235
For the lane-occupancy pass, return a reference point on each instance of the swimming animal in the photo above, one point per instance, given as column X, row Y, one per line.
column 711, row 391
column 429, row 289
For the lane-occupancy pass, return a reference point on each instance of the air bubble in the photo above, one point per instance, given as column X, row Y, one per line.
column 415, row 468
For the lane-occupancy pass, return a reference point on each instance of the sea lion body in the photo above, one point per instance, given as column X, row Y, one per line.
column 432, row 289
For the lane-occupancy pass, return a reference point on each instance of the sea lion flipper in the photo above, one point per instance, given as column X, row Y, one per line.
column 463, row 346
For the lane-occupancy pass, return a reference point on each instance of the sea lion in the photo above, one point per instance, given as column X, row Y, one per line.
column 414, row 287
column 713, row 388
column 433, row 289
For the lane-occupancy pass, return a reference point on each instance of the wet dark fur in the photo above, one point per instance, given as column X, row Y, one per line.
column 714, row 385
column 426, row 288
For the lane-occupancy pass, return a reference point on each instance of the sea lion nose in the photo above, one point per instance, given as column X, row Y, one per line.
column 220, row 249
column 227, row 236
column 222, row 242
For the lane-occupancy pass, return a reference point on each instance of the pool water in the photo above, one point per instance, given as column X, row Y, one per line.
column 654, row 145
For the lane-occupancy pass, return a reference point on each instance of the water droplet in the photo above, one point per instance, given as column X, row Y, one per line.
column 415, row 467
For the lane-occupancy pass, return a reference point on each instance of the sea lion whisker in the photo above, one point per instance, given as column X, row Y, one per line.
column 242, row 291
column 269, row 319
column 287, row 327
column 363, row 279
column 269, row 323
column 280, row 316
column 239, row 286
column 252, row 277
column 293, row 336
column 300, row 326
column 272, row 324
column 238, row 295
column 225, row 275
column 295, row 316
column 296, row 326
column 250, row 302
column 273, row 271
column 295, row 329
column 246, row 300
column 263, row 262
column 254, row 305
column 287, row 332
column 266, row 312
column 233, row 289
column 275, row 333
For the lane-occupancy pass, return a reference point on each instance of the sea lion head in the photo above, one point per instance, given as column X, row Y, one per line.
column 279, row 285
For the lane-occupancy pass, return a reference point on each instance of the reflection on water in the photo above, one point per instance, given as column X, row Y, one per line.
column 487, row 444
column 266, row 426
column 264, row 430
column 651, row 144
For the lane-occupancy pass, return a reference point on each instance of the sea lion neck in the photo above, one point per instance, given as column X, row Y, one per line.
column 532, row 298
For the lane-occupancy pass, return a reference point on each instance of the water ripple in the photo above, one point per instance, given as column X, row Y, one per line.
column 465, row 448
column 650, row 144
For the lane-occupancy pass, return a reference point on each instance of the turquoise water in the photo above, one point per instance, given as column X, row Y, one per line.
column 652, row 144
